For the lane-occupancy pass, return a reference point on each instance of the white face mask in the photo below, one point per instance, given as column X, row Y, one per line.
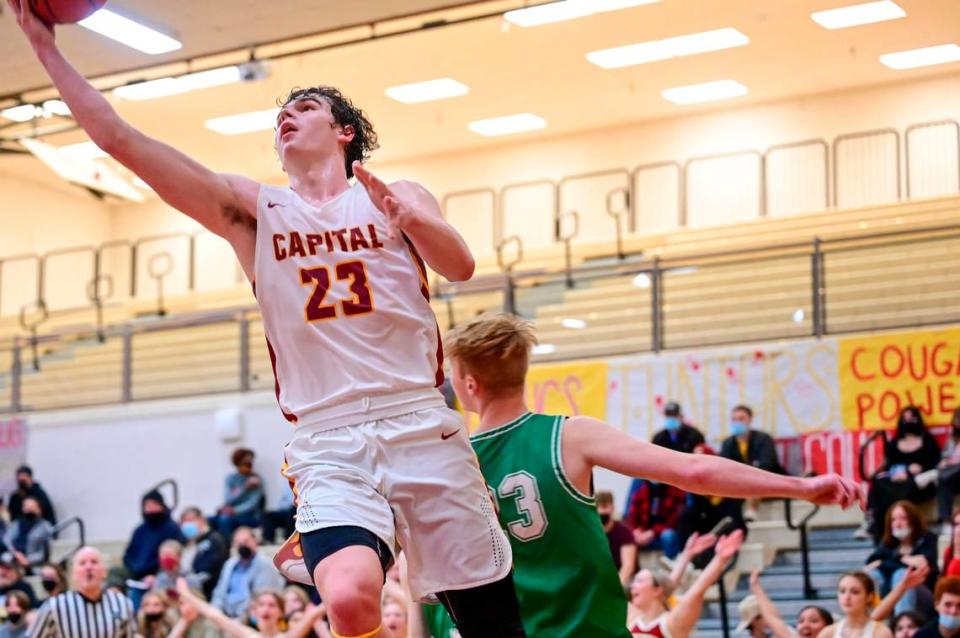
column 900, row 533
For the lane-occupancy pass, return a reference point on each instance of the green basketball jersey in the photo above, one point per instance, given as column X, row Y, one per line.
column 566, row 580
column 438, row 622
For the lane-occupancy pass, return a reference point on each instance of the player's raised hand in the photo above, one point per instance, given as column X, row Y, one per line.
column 728, row 545
column 386, row 201
column 38, row 32
column 831, row 489
column 699, row 543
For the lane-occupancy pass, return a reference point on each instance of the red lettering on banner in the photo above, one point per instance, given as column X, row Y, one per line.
column 921, row 374
column 570, row 391
column 940, row 372
column 865, row 403
column 947, row 398
column 893, row 405
column 856, row 370
column 925, row 408
column 883, row 361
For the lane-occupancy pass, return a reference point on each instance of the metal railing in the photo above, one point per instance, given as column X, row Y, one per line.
column 809, row 592
column 74, row 521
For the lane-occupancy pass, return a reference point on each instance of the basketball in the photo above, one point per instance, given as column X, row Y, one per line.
column 64, row 11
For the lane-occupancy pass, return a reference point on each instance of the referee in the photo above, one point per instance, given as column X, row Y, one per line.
column 86, row 611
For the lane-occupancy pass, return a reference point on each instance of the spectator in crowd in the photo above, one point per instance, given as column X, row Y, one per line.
column 243, row 496
column 906, row 543
column 951, row 555
column 282, row 518
column 205, row 552
column 169, row 557
column 88, row 610
column 749, row 446
column 19, row 616
column 154, row 618
column 295, row 599
column 11, row 579
column 648, row 612
column 142, row 556
column 907, row 624
column 654, row 516
column 810, row 621
column 619, row 537
column 912, row 452
column 191, row 624
column 916, row 576
column 752, row 621
column 394, row 615
column 268, row 611
column 947, row 600
column 676, row 434
column 856, row 596
column 701, row 514
column 52, row 579
column 27, row 487
column 243, row 575
column 948, row 475
column 28, row 537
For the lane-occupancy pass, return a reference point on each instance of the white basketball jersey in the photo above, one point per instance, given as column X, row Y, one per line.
column 345, row 308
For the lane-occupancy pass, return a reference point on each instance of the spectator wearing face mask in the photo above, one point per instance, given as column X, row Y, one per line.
column 243, row 496
column 620, row 539
column 746, row 445
column 155, row 620
column 52, row 579
column 948, row 474
column 947, row 600
column 142, row 556
column 28, row 488
column 11, row 579
column 908, row 459
column 676, row 434
column 247, row 572
column 205, row 552
column 169, row 555
column 28, row 537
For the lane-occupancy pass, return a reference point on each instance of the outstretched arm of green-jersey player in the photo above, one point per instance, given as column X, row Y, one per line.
column 588, row 443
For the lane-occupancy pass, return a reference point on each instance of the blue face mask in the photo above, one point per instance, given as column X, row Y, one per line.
column 949, row 622
column 190, row 530
column 738, row 429
column 672, row 423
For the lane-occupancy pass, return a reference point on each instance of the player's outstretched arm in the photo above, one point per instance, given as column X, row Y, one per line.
column 588, row 442
column 412, row 211
column 219, row 202
column 683, row 618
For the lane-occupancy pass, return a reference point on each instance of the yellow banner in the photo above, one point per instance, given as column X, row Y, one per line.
column 881, row 374
column 571, row 389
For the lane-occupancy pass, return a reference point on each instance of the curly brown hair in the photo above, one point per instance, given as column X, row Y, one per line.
column 344, row 114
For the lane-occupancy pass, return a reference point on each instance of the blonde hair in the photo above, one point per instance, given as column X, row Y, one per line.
column 171, row 545
column 494, row 349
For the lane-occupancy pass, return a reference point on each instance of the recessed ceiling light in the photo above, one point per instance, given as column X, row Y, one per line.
column 544, row 348
column 642, row 280
column 244, row 122
column 508, row 124
column 573, row 324
column 656, row 50
column 427, row 91
column 567, row 10
column 799, row 315
column 706, row 92
column 163, row 87
column 133, row 34
column 921, row 57
column 857, row 14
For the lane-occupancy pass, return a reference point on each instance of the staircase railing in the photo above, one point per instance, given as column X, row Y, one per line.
column 77, row 522
column 801, row 526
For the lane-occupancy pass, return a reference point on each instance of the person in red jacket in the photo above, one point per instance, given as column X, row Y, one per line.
column 951, row 557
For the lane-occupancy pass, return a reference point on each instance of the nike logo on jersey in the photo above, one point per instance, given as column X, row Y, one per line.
column 273, row 204
column 447, row 436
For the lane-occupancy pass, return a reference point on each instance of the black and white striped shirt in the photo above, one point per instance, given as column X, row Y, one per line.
column 70, row 615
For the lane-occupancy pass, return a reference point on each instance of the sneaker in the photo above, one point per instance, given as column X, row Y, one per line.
column 863, row 532
column 289, row 561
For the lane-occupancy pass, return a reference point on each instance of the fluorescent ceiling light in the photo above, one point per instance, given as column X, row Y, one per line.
column 922, row 57
column 173, row 86
column 567, row 10
column 544, row 348
column 244, row 122
column 22, row 113
column 427, row 91
column 126, row 31
column 679, row 46
column 508, row 124
column 706, row 92
column 57, row 107
column 573, row 324
column 84, row 151
column 858, row 14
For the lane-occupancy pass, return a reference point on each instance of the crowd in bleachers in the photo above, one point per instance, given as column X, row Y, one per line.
column 202, row 575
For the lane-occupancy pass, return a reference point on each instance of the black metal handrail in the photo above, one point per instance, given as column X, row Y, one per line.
column 175, row 488
column 77, row 522
column 863, row 450
column 722, row 595
column 808, row 590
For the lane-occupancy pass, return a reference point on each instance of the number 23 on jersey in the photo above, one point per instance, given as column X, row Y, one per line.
column 354, row 271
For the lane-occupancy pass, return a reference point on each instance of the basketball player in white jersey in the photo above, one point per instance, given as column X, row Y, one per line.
column 377, row 461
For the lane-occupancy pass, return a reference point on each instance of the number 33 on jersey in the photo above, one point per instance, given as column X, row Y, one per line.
column 345, row 308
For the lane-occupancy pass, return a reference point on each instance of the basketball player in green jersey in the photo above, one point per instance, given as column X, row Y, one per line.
column 540, row 469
